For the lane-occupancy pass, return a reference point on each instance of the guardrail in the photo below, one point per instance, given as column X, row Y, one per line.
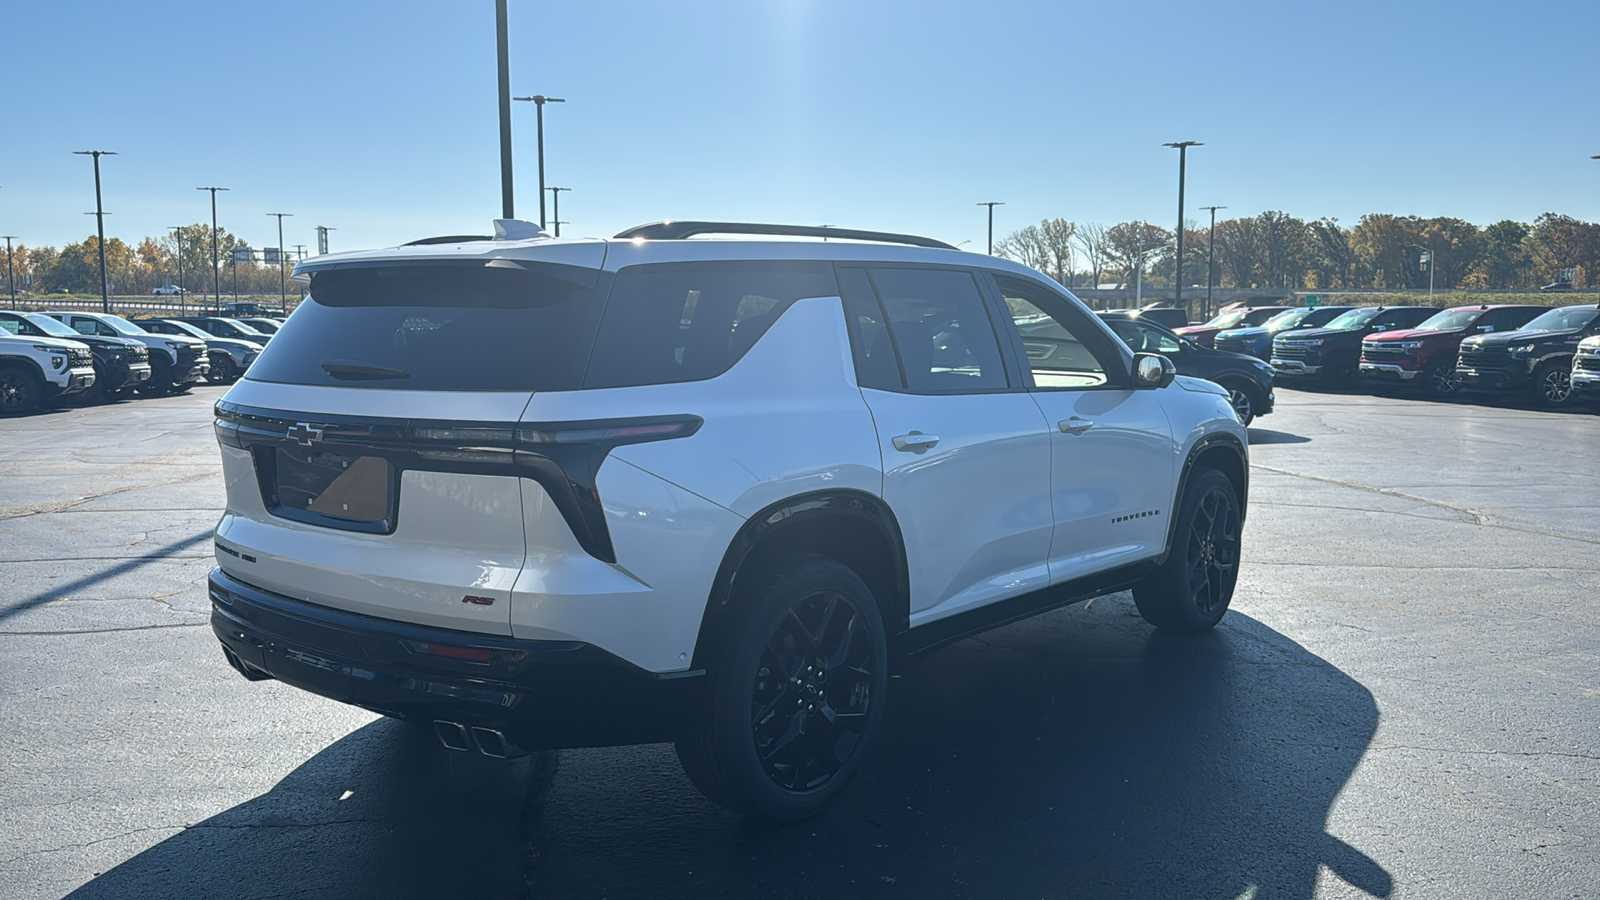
column 130, row 306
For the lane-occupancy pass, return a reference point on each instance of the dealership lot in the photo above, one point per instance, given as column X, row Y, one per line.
column 1405, row 701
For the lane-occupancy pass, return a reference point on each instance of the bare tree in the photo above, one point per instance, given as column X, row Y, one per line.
column 1057, row 235
column 1091, row 239
column 1026, row 246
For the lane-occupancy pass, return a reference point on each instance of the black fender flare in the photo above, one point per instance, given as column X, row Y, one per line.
column 785, row 514
column 1217, row 441
column 26, row 363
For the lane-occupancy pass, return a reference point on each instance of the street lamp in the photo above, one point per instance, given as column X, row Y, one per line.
column 100, row 223
column 216, row 265
column 539, row 100
column 991, row 204
column 1211, row 244
column 1428, row 258
column 11, row 275
column 177, row 242
column 503, row 71
column 283, row 284
column 1183, row 157
column 555, row 200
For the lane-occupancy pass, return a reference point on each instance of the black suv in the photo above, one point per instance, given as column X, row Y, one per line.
column 1169, row 317
column 1330, row 355
column 120, row 364
column 224, row 327
column 1536, row 358
column 1248, row 380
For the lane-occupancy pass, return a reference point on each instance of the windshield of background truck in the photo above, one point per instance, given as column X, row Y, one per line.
column 1451, row 320
column 1355, row 318
column 1228, row 319
column 1571, row 318
column 1287, row 318
column 123, row 326
column 50, row 326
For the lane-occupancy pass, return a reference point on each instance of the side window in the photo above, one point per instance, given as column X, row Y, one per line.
column 1159, row 341
column 939, row 329
column 1505, row 319
column 11, row 326
column 104, row 330
column 84, row 326
column 876, row 366
column 677, row 322
column 1063, row 348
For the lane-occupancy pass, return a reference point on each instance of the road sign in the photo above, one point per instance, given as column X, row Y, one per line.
column 1313, row 301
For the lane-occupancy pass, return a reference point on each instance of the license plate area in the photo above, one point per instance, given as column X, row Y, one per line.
column 344, row 490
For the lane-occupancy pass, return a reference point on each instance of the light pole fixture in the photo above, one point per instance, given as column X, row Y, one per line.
column 11, row 274
column 539, row 100
column 503, row 54
column 322, row 238
column 555, row 207
column 283, row 284
column 1183, row 158
column 216, row 264
column 1429, row 260
column 100, row 223
column 991, row 204
column 1211, row 244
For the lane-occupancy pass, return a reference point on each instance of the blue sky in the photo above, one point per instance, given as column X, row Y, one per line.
column 379, row 119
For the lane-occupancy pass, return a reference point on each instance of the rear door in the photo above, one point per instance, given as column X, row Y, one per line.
column 966, row 453
column 1113, row 456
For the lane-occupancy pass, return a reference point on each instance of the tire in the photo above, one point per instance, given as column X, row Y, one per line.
column 812, row 628
column 223, row 370
column 1552, row 384
column 1243, row 400
column 1193, row 587
column 1439, row 379
column 21, row 391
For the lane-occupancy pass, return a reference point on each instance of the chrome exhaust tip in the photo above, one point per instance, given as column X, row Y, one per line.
column 490, row 742
column 453, row 735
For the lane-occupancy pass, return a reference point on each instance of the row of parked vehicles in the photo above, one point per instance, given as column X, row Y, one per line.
column 66, row 355
column 1548, row 356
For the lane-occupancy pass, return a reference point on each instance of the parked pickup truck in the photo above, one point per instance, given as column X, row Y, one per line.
column 1425, row 356
column 1535, row 359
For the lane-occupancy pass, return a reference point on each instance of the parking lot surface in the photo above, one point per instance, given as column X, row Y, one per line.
column 1404, row 701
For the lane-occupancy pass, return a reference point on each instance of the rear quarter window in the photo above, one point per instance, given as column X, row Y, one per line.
column 675, row 322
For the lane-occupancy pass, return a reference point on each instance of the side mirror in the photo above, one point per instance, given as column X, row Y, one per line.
column 1152, row 370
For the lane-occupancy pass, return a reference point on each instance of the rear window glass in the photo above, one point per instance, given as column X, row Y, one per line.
column 505, row 327
column 687, row 322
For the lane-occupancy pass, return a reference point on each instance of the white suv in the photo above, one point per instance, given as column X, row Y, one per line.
column 552, row 493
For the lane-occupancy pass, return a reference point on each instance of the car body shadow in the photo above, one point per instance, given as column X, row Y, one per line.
column 1268, row 436
column 1077, row 754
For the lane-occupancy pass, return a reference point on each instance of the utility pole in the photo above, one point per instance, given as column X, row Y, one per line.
column 322, row 238
column 283, row 282
column 1211, row 244
column 216, row 262
column 177, row 242
column 991, row 204
column 1183, row 157
column 1138, row 272
column 539, row 100
column 1427, row 258
column 555, row 200
column 11, row 274
column 503, row 49
column 100, row 223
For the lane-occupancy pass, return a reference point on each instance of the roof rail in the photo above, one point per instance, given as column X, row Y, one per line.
column 672, row 231
column 448, row 239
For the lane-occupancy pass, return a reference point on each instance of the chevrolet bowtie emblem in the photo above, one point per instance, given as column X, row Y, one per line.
column 304, row 433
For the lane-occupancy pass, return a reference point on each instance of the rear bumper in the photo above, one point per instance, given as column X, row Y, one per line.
column 541, row 694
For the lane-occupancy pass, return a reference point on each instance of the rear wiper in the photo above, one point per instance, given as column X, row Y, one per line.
column 356, row 370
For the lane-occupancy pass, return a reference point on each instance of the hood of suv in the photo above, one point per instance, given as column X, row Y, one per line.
column 231, row 344
column 51, row 342
column 1412, row 334
column 1309, row 334
column 1507, row 338
column 107, row 343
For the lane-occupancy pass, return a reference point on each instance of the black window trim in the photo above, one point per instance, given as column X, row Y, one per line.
column 1007, row 365
column 1095, row 332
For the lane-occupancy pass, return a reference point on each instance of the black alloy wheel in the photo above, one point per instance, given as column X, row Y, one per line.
column 1194, row 585
column 1242, row 401
column 20, row 391
column 223, row 371
column 1440, row 379
column 797, row 678
column 1552, row 386
column 802, row 736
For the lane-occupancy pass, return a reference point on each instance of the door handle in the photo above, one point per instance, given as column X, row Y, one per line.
column 1074, row 425
column 915, row 442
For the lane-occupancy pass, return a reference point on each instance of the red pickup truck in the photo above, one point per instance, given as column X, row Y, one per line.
column 1425, row 356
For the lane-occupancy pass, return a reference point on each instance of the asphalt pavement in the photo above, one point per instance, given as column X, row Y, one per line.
column 1404, row 701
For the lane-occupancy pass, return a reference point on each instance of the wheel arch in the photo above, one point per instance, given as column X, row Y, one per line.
column 852, row 527
column 1220, row 451
column 27, row 364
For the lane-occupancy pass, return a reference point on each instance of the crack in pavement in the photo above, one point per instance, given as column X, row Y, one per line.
column 35, row 509
column 1453, row 750
column 183, row 828
column 103, row 630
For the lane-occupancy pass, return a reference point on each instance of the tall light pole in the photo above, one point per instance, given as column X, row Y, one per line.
column 283, row 284
column 1183, row 158
column 1429, row 260
column 11, row 274
column 539, row 100
column 100, row 223
column 555, row 208
column 1211, row 244
column 991, row 204
column 322, row 238
column 216, row 263
column 503, row 52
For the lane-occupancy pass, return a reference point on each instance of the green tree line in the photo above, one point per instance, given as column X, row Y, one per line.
column 1277, row 250
column 142, row 267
